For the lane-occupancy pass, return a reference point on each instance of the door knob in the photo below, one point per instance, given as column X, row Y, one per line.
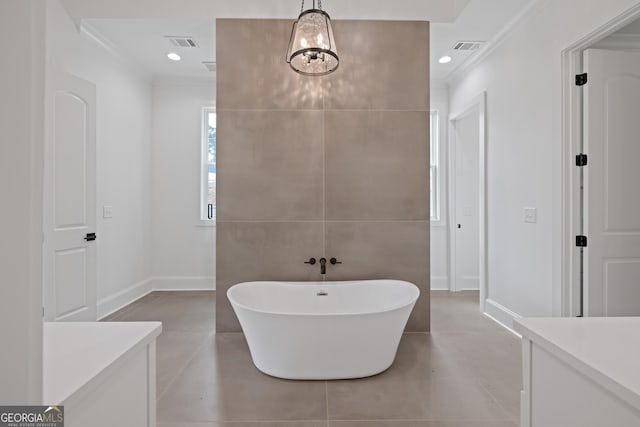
column 90, row 237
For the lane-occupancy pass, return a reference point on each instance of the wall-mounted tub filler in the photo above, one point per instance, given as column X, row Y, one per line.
column 323, row 330
column 323, row 263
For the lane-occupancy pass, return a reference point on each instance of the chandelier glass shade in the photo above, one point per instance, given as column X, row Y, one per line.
column 312, row 47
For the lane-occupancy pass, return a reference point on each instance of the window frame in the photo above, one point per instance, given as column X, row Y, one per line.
column 204, row 167
column 434, row 167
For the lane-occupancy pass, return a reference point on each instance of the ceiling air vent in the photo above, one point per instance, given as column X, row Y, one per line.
column 467, row 46
column 179, row 41
column 211, row 66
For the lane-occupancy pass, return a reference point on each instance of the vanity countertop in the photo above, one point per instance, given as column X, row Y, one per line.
column 606, row 350
column 75, row 354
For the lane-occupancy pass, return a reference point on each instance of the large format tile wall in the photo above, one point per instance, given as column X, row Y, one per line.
column 336, row 166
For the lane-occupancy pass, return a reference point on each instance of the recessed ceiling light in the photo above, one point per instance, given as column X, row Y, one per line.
column 173, row 56
column 445, row 60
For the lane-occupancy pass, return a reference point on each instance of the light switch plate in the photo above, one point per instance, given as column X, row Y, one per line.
column 107, row 212
column 531, row 215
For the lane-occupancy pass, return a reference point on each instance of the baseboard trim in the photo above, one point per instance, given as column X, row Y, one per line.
column 111, row 304
column 122, row 298
column 501, row 315
column 178, row 283
column 440, row 283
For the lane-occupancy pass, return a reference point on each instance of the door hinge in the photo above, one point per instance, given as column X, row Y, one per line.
column 581, row 79
column 581, row 241
column 581, row 160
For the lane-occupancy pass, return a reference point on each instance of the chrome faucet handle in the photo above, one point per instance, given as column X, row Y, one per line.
column 334, row 261
column 311, row 261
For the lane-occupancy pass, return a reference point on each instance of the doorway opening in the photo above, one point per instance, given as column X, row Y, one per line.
column 467, row 199
column 129, row 200
column 601, row 230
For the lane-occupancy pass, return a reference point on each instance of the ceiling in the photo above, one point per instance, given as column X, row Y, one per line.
column 144, row 40
column 481, row 20
column 425, row 10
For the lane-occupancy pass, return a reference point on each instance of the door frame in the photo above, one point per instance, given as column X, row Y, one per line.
column 572, row 144
column 479, row 103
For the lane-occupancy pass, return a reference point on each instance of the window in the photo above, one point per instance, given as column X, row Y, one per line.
column 434, row 177
column 208, row 182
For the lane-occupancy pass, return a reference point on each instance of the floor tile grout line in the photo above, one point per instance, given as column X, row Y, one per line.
column 439, row 419
column 495, row 399
column 251, row 421
column 447, row 420
column 114, row 316
column 186, row 364
column 328, row 422
column 326, row 400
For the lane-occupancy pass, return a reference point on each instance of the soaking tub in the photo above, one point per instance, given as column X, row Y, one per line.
column 323, row 330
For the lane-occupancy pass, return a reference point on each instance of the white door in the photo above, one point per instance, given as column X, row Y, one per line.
column 612, row 180
column 70, row 199
column 465, row 184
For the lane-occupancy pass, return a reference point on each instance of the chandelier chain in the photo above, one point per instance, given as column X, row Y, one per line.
column 314, row 3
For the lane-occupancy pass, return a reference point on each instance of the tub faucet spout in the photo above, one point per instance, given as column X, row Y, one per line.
column 323, row 266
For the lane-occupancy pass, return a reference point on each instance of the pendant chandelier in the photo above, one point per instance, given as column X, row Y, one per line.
column 312, row 48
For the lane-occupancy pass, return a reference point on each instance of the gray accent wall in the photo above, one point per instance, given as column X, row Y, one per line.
column 336, row 166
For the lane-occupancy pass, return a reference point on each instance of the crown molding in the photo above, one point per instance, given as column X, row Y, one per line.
column 93, row 34
column 101, row 40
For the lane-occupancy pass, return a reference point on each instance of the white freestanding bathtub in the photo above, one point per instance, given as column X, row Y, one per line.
column 323, row 330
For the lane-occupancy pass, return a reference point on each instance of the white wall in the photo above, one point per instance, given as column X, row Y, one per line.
column 124, row 104
column 183, row 247
column 522, row 77
column 21, row 166
column 439, row 230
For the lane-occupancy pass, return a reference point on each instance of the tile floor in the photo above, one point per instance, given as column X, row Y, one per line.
column 466, row 373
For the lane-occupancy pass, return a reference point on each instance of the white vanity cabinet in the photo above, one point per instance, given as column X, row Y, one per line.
column 104, row 373
column 580, row 372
